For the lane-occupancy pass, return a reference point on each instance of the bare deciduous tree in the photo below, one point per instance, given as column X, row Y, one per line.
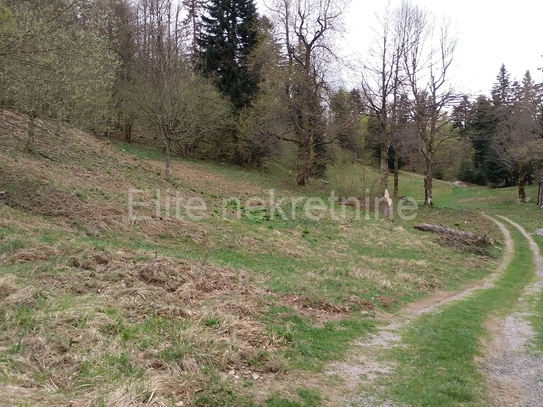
column 382, row 82
column 180, row 105
column 307, row 29
column 427, row 60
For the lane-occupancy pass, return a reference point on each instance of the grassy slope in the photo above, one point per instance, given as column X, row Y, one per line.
column 98, row 309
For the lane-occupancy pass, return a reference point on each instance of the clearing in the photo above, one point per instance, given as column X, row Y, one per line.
column 237, row 307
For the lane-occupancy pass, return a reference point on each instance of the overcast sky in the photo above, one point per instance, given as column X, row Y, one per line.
column 490, row 33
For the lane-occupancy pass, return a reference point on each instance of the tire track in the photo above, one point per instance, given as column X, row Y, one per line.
column 514, row 375
column 364, row 361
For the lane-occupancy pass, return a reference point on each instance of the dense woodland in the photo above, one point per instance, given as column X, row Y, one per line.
column 214, row 79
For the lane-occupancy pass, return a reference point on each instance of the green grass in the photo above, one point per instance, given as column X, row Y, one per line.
column 503, row 201
column 537, row 319
column 307, row 398
column 437, row 368
column 143, row 152
column 326, row 263
column 312, row 347
column 292, row 272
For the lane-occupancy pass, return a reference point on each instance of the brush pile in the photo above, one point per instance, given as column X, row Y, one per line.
column 459, row 239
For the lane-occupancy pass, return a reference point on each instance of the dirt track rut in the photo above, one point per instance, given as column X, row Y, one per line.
column 513, row 374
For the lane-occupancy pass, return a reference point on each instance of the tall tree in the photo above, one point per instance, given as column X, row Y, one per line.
column 427, row 62
column 193, row 23
column 307, row 29
column 7, row 28
column 229, row 36
column 260, row 124
column 122, row 32
column 382, row 85
column 346, row 110
column 181, row 106
column 59, row 64
column 518, row 144
column 502, row 91
column 483, row 124
column 402, row 138
column 477, row 122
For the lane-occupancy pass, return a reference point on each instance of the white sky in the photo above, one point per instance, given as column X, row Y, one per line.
column 490, row 33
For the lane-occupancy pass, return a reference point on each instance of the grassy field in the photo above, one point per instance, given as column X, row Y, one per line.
column 239, row 307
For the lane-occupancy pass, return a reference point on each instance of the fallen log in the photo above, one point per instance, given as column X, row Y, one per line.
column 467, row 236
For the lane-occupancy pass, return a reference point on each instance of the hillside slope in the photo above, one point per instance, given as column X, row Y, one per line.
column 100, row 308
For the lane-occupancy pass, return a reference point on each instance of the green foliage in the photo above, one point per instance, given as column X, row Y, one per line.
column 7, row 25
column 502, row 92
column 502, row 131
column 263, row 121
column 60, row 68
column 228, row 38
column 349, row 179
column 346, row 109
column 180, row 106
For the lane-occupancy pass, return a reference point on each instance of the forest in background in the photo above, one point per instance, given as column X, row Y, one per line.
column 217, row 80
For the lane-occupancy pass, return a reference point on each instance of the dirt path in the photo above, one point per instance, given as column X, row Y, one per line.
column 364, row 360
column 515, row 375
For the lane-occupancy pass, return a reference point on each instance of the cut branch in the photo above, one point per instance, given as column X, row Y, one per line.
column 467, row 236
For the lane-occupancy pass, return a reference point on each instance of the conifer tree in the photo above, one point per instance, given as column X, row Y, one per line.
column 193, row 23
column 502, row 91
column 229, row 35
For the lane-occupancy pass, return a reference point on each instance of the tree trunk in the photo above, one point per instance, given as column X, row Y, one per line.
column 304, row 167
column 128, row 132
column 31, row 133
column 540, row 192
column 306, row 150
column 168, row 158
column 385, row 147
column 522, row 173
column 522, row 190
column 396, row 191
column 428, row 182
column 107, row 130
column 58, row 126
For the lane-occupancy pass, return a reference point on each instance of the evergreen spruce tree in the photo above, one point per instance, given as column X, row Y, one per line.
column 502, row 91
column 229, row 35
column 483, row 122
column 529, row 94
column 193, row 23
column 490, row 117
